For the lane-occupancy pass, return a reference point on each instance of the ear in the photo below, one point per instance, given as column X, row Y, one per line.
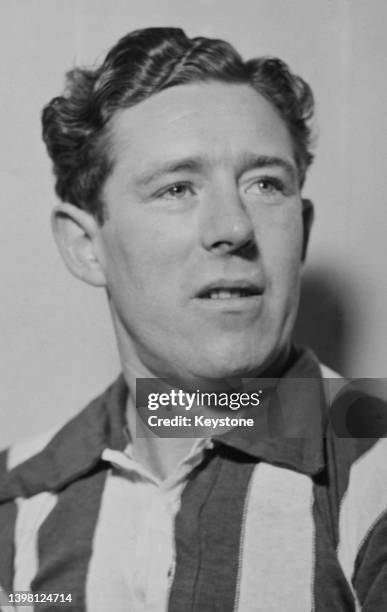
column 76, row 232
column 307, row 221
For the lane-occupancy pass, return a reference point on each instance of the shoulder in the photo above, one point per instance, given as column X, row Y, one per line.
column 51, row 460
column 356, row 462
column 38, row 473
column 356, row 436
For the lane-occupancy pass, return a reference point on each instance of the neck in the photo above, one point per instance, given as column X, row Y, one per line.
column 159, row 455
column 162, row 455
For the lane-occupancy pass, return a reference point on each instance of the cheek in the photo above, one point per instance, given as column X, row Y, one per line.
column 146, row 254
column 282, row 251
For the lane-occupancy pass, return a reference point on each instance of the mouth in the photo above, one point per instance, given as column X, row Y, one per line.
column 224, row 290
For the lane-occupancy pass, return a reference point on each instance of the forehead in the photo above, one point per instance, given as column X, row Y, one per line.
column 216, row 120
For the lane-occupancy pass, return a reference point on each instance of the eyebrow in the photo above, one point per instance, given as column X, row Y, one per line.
column 198, row 164
column 189, row 164
column 255, row 162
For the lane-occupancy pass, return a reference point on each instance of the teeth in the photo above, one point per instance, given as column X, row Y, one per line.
column 226, row 294
column 220, row 294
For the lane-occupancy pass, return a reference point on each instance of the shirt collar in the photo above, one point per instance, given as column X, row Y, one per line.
column 287, row 432
column 289, row 423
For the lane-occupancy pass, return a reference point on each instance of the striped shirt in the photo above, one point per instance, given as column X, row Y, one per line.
column 286, row 516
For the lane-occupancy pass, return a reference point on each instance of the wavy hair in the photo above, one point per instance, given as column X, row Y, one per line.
column 141, row 64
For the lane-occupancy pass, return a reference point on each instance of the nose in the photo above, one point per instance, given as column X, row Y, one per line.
column 225, row 223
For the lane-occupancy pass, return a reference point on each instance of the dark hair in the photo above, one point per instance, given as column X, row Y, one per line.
column 141, row 64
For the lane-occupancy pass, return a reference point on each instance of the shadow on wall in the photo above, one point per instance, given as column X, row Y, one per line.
column 322, row 322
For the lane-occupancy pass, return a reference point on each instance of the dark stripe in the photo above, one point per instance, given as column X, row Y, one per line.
column 3, row 462
column 331, row 590
column 341, row 453
column 208, row 532
column 65, row 540
column 8, row 513
column 370, row 575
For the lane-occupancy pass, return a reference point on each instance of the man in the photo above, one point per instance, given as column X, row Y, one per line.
column 180, row 169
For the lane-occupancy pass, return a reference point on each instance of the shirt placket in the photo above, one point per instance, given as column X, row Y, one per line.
column 155, row 544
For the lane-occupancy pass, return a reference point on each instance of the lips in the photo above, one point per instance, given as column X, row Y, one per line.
column 224, row 289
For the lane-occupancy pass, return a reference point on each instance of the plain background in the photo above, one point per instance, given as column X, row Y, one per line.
column 57, row 348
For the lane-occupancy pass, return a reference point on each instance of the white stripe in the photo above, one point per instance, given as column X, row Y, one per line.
column 277, row 551
column 333, row 383
column 327, row 372
column 31, row 513
column 133, row 548
column 364, row 502
column 25, row 449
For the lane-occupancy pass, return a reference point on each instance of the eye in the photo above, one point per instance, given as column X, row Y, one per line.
column 266, row 186
column 177, row 191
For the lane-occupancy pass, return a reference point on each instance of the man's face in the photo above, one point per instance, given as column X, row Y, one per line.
column 202, row 244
